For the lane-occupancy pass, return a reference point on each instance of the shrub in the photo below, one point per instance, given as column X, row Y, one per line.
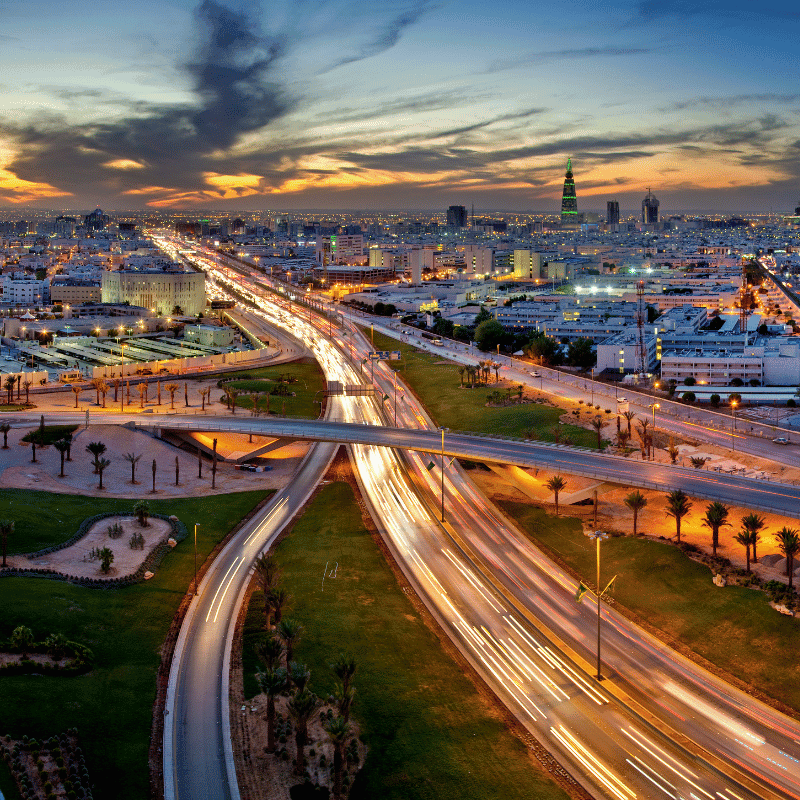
column 115, row 531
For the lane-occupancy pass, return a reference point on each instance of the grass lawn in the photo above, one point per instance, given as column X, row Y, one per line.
column 112, row 705
column 429, row 733
column 307, row 388
column 438, row 384
column 732, row 627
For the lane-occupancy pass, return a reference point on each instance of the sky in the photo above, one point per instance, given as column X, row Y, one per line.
column 399, row 104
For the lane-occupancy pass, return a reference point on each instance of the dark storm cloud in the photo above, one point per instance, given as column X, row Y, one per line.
column 234, row 79
column 388, row 36
column 531, row 59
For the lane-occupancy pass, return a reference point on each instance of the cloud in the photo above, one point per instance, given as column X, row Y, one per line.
column 430, row 101
column 719, row 9
column 388, row 35
column 533, row 58
column 732, row 100
column 236, row 85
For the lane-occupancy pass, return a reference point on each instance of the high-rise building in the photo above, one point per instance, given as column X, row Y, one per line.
column 569, row 200
column 650, row 209
column 612, row 212
column 457, row 217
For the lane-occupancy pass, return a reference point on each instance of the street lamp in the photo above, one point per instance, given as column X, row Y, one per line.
column 442, row 430
column 733, row 429
column 196, row 588
column 598, row 536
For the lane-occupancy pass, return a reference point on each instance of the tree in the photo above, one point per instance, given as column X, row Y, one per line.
column 104, row 388
column 788, row 542
column 96, row 449
column 106, row 556
column 204, row 393
column 489, row 334
column 337, row 729
column 6, row 530
column 268, row 574
column 556, row 485
column 21, row 639
column 101, row 464
column 688, row 397
column 461, row 370
column 544, row 349
column 271, row 683
column 290, row 631
column 270, row 651
column 172, row 388
column 597, row 424
column 141, row 511
column 232, row 395
column 27, row 384
column 622, row 439
column 142, row 389
column 8, row 384
column 678, row 506
column 744, row 538
column 716, row 517
column 630, row 416
column 300, row 675
column 56, row 644
column 96, row 382
column 580, row 353
column 62, row 445
column 714, row 400
column 77, row 389
column 697, row 461
column 673, row 452
column 133, row 460
column 301, row 708
column 344, row 668
column 754, row 524
column 5, row 427
column 635, row 501
column 278, row 600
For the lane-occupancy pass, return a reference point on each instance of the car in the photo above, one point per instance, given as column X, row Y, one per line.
column 622, row 399
column 780, row 440
column 535, row 374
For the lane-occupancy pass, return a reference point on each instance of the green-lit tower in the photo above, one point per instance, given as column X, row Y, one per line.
column 569, row 200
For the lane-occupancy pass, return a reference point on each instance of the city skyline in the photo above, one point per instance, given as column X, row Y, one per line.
column 411, row 105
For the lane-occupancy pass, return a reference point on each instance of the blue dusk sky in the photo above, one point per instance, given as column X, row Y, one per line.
column 406, row 104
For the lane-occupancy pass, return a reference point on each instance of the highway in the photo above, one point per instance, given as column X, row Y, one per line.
column 513, row 614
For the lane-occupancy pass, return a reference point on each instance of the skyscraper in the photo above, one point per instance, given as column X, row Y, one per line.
column 457, row 217
column 650, row 209
column 569, row 200
column 612, row 212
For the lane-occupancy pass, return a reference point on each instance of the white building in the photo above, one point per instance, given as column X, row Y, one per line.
column 25, row 290
column 159, row 290
column 527, row 264
column 209, row 335
column 340, row 249
column 620, row 353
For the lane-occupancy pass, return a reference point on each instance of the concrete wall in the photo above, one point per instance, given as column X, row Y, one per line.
column 177, row 366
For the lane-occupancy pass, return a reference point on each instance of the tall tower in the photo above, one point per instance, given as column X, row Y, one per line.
column 612, row 212
column 569, row 200
column 650, row 209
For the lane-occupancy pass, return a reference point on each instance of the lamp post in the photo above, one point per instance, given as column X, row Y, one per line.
column 733, row 428
column 442, row 432
column 598, row 537
column 592, row 385
column 122, row 378
column 654, row 406
column 196, row 588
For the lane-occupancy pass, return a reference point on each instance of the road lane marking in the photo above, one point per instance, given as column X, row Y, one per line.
column 214, row 600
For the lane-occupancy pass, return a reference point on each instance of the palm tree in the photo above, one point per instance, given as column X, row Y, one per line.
column 337, row 729
column 622, row 439
column 117, row 384
column 62, row 445
column 300, row 675
column 698, row 461
column 290, row 631
column 96, row 386
column 716, row 517
column 678, row 506
column 635, row 501
column 344, row 699
column 789, row 544
column 204, row 393
column 6, row 530
column 141, row 510
column 270, row 651
column 255, row 399
column 233, row 394
column 644, row 437
column 5, row 427
column 344, row 668
column 461, row 370
column 278, row 600
column 301, row 708
column 133, row 459
column 673, row 452
column 744, row 538
column 104, row 387
column 96, row 449
column 27, row 384
column 272, row 683
column 142, row 389
column 556, row 484
column 101, row 464
column 597, row 423
column 77, row 389
column 268, row 574
column 630, row 416
column 8, row 384
column 754, row 524
column 172, row 388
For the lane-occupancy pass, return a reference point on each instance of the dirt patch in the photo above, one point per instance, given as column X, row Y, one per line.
column 76, row 559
